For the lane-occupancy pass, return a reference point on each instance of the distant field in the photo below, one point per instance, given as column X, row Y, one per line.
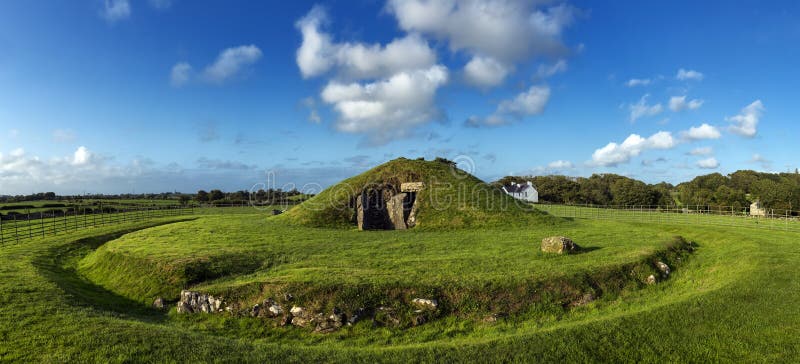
column 732, row 300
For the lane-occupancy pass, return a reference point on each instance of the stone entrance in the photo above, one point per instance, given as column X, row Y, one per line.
column 382, row 208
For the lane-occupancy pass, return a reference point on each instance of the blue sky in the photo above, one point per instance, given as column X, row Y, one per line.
column 160, row 95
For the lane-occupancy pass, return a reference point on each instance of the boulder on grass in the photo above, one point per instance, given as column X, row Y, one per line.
column 559, row 245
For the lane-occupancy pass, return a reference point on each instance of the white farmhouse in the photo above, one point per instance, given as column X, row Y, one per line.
column 524, row 192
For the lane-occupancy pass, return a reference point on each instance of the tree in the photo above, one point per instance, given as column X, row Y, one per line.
column 202, row 196
column 216, row 195
column 183, row 199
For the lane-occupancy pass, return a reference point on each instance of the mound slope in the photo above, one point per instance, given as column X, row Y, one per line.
column 450, row 198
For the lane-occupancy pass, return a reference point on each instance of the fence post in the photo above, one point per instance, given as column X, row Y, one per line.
column 2, row 243
column 41, row 218
column 30, row 226
column 16, row 231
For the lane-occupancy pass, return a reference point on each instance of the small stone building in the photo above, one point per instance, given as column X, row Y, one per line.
column 757, row 210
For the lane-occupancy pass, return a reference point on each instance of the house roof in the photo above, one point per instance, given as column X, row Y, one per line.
column 517, row 188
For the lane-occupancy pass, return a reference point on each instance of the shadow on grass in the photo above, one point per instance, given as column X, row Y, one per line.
column 586, row 249
column 59, row 265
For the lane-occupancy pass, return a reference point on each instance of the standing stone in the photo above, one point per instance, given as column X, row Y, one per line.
column 395, row 208
column 559, row 245
column 663, row 268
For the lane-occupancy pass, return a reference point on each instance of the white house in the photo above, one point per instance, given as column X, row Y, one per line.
column 522, row 191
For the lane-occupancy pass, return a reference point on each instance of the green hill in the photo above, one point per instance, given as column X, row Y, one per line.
column 450, row 198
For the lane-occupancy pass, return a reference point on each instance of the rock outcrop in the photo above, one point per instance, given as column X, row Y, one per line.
column 559, row 245
column 193, row 302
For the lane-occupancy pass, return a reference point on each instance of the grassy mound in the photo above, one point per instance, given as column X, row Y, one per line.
column 451, row 199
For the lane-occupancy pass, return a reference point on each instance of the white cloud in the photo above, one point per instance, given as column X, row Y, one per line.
column 545, row 71
column 485, row 72
column 560, row 165
column 506, row 30
column 386, row 108
column 684, row 75
column 318, row 53
column 746, row 122
column 642, row 109
column 114, row 10
column 765, row 163
column 708, row 163
column 180, row 74
column 703, row 131
column 679, row 103
column 313, row 115
column 230, row 62
column 702, row 151
column 614, row 154
column 63, row 135
column 531, row 102
column 633, row 82
column 82, row 156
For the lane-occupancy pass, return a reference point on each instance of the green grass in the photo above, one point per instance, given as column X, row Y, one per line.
column 735, row 299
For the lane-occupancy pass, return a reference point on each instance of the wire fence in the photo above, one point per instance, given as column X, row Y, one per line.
column 18, row 227
column 32, row 223
column 697, row 215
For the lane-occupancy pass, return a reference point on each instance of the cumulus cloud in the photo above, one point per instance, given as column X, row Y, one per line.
column 114, row 10
column 485, row 72
column 180, row 74
column 703, row 131
column 746, row 122
column 614, row 154
column 318, row 53
column 642, row 109
column 684, row 74
column 708, row 163
column 386, row 108
column 507, row 30
column 633, row 82
column 528, row 103
column 560, row 165
column 702, row 151
column 230, row 62
column 503, row 31
column 679, row 103
column 545, row 71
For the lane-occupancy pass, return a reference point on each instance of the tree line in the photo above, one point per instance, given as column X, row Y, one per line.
column 779, row 191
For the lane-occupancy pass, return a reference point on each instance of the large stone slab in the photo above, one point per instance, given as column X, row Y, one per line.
column 559, row 245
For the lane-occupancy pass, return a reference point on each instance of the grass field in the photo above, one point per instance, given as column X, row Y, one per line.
column 85, row 296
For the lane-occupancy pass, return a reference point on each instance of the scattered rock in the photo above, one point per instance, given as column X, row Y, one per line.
column 275, row 310
column 650, row 280
column 418, row 320
column 184, row 307
column 159, row 303
column 288, row 297
column 425, row 303
column 299, row 318
column 256, row 310
column 559, row 245
column 194, row 302
column 357, row 316
column 663, row 268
